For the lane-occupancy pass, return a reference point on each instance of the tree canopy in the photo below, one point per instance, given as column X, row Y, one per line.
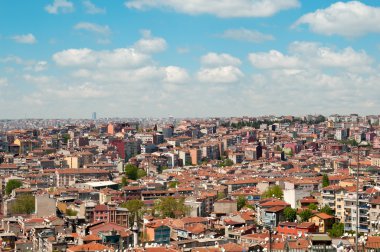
column 135, row 207
column 327, row 210
column 133, row 172
column 312, row 206
column 24, row 204
column 11, row 185
column 170, row 207
column 325, row 180
column 71, row 212
column 305, row 215
column 124, row 181
column 173, row 184
column 290, row 214
column 273, row 191
column 225, row 162
column 337, row 230
column 241, row 202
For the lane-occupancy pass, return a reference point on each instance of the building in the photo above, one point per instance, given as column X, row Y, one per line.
column 110, row 214
column 350, row 209
column 68, row 177
column 158, row 232
column 296, row 190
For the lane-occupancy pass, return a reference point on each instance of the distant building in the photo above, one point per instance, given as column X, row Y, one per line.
column 94, row 116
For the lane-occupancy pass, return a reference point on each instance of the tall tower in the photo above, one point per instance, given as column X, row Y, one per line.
column 135, row 230
column 93, row 115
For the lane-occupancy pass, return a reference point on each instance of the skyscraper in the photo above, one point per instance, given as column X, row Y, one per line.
column 93, row 115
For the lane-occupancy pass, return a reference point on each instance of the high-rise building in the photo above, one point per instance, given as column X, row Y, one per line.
column 93, row 115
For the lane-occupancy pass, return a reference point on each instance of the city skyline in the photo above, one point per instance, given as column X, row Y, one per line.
column 146, row 58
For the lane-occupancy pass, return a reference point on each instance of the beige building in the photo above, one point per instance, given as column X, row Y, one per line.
column 74, row 162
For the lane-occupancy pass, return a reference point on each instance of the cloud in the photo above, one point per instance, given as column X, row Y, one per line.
column 149, row 44
column 348, row 19
column 25, row 39
column 303, row 55
column 38, row 66
column 3, row 82
column 29, row 65
column 92, row 8
column 219, row 68
column 223, row 59
column 313, row 78
column 60, row 6
column 184, row 50
column 223, row 74
column 272, row 60
column 176, row 74
column 246, row 35
column 322, row 56
column 91, row 27
column 117, row 58
column 220, row 8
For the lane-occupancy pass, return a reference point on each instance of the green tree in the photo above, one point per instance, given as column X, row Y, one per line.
column 24, row 204
column 305, row 215
column 241, row 202
column 170, row 207
column 325, row 180
column 327, row 210
column 141, row 173
column 133, row 172
column 290, row 214
column 66, row 138
column 71, row 212
column 188, row 163
column 273, row 191
column 221, row 195
column 124, row 181
column 226, row 162
column 11, row 185
column 337, row 230
column 135, row 207
column 312, row 206
column 173, row 184
column 289, row 152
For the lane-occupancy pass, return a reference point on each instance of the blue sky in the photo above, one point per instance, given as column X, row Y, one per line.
column 144, row 58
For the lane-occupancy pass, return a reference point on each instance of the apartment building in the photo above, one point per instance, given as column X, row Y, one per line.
column 350, row 209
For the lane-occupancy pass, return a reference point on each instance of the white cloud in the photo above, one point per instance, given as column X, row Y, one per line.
column 223, row 59
column 313, row 78
column 303, row 55
column 224, row 74
column 246, row 35
column 273, row 59
column 60, row 6
column 92, row 8
column 86, row 90
column 25, row 39
column 91, row 27
column 3, row 82
column 349, row 19
column 176, row 74
column 150, row 44
column 38, row 66
column 41, row 80
column 322, row 56
column 184, row 50
column 29, row 65
column 220, row 8
column 117, row 58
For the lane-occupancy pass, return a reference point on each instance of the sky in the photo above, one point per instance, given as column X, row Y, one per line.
column 193, row 58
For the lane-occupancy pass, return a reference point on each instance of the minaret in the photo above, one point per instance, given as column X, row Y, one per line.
column 135, row 230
